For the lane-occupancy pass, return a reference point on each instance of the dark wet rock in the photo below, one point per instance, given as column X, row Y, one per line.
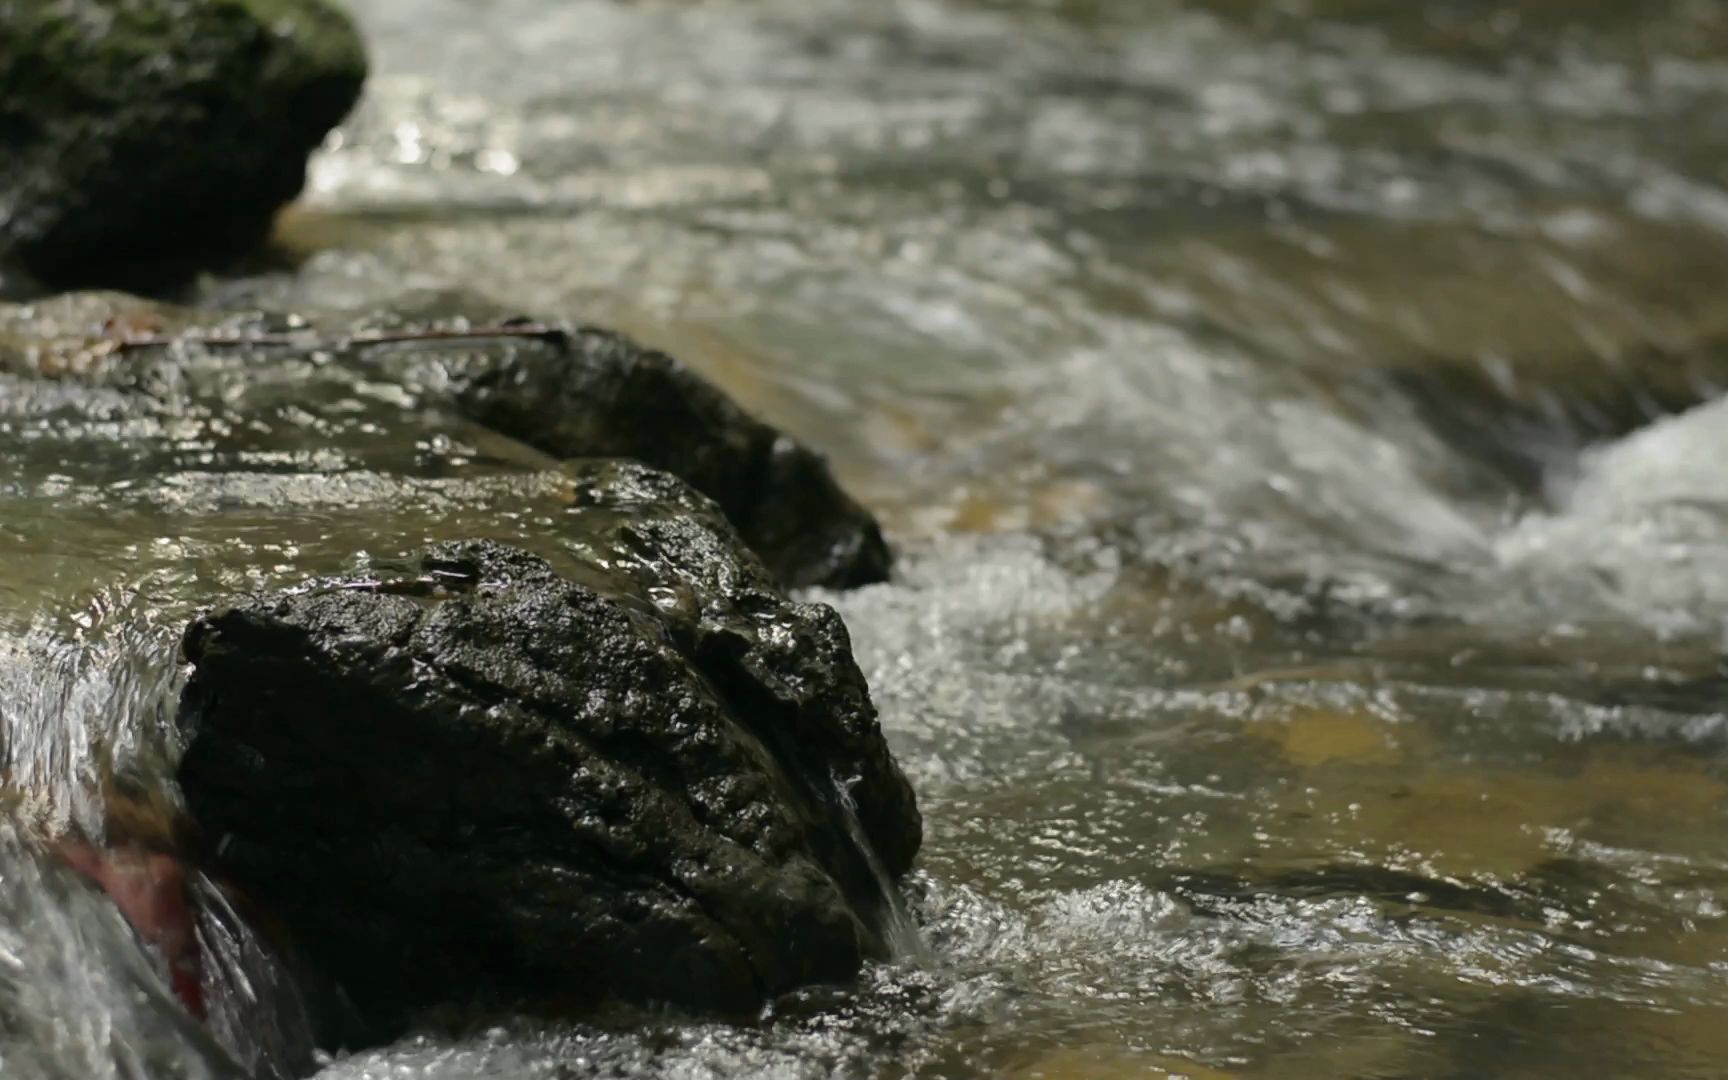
column 589, row 392
column 146, row 138
column 565, row 394
column 479, row 777
column 602, row 395
column 16, row 285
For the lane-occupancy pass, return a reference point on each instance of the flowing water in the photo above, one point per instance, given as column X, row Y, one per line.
column 1298, row 424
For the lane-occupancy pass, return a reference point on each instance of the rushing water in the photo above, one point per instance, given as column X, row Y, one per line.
column 1297, row 423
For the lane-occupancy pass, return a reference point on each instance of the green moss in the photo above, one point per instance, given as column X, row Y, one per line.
column 323, row 38
column 138, row 132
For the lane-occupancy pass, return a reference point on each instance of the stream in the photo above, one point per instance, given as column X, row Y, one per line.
column 1299, row 427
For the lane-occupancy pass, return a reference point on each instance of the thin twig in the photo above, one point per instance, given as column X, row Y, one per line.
column 537, row 331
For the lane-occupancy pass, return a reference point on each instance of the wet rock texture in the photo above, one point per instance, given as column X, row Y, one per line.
column 605, row 396
column 569, row 393
column 478, row 776
column 141, row 137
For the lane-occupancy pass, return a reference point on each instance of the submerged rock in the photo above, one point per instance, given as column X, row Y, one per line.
column 476, row 777
column 149, row 137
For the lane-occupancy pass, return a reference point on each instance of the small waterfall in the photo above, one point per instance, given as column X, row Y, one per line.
column 899, row 929
column 74, row 709
column 86, row 731
column 257, row 1011
column 81, row 998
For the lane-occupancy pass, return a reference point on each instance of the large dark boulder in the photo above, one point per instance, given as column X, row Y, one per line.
column 139, row 138
column 477, row 776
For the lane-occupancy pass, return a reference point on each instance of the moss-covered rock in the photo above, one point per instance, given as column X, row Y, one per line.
column 141, row 138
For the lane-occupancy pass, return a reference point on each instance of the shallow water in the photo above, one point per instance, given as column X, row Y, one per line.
column 1299, row 425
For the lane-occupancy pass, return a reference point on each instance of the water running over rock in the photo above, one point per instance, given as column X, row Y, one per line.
column 1305, row 635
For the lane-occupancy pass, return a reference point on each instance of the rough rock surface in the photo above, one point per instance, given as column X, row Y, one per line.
column 475, row 777
column 145, row 137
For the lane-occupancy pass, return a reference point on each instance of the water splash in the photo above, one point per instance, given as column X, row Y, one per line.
column 74, row 710
column 899, row 929
column 80, row 996
column 257, row 1010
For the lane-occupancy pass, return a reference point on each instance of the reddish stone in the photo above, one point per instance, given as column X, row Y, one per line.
column 151, row 891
